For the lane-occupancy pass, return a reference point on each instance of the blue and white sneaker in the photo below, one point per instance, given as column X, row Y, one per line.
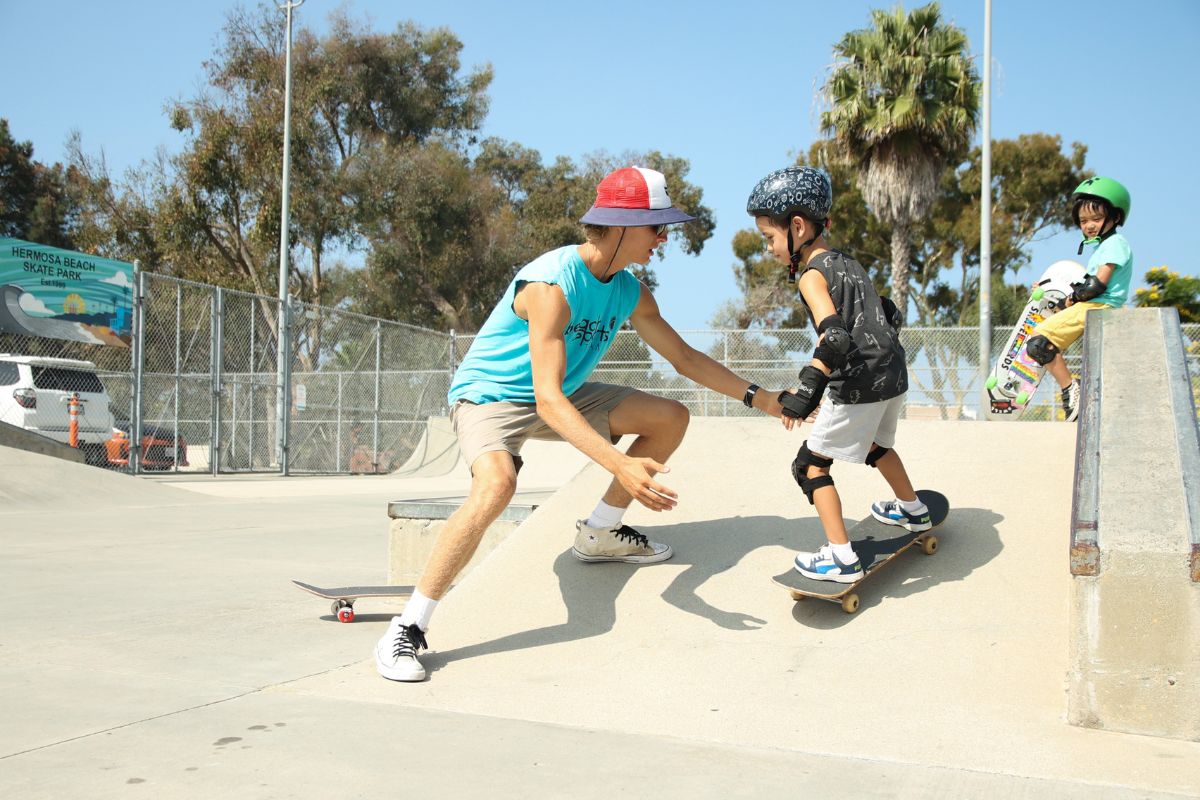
column 889, row 512
column 823, row 565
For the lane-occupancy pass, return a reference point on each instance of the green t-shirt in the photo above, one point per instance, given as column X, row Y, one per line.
column 1114, row 250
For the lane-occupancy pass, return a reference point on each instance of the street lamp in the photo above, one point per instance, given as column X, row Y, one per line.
column 284, row 357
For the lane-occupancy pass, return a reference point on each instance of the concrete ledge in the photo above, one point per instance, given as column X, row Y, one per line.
column 1134, row 639
column 416, row 524
column 21, row 439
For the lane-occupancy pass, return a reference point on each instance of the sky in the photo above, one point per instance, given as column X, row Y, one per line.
column 729, row 86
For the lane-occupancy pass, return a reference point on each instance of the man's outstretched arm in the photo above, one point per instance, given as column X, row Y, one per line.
column 690, row 362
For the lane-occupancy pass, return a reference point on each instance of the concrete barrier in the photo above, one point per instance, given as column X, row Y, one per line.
column 1135, row 536
column 416, row 524
column 21, row 439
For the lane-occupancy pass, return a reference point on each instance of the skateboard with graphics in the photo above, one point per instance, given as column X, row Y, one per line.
column 876, row 544
column 1015, row 378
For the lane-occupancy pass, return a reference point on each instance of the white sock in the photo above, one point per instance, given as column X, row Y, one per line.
column 605, row 517
column 418, row 611
column 844, row 552
column 911, row 506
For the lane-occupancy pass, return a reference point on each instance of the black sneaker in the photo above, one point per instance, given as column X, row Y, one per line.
column 396, row 652
column 1070, row 401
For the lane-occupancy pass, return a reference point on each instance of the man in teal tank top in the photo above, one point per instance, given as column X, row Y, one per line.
column 526, row 377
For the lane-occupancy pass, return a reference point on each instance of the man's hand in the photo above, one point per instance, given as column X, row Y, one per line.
column 636, row 477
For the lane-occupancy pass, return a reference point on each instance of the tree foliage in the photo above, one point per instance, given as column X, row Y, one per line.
column 1032, row 179
column 1168, row 288
column 903, row 105
column 386, row 162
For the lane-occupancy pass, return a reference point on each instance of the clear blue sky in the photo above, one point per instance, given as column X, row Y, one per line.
column 726, row 85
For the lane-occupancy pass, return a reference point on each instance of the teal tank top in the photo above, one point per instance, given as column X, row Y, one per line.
column 497, row 367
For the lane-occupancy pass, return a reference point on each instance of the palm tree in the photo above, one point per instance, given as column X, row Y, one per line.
column 903, row 103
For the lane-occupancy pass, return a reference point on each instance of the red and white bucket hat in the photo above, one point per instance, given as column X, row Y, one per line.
column 633, row 196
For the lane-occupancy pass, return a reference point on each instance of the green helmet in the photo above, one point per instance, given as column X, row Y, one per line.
column 1106, row 189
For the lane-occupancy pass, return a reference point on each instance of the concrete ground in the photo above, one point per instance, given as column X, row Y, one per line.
column 154, row 644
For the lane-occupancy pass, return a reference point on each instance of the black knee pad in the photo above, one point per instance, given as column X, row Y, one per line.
column 1041, row 350
column 804, row 459
column 876, row 454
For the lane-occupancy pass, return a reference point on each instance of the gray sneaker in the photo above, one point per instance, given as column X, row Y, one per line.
column 617, row 544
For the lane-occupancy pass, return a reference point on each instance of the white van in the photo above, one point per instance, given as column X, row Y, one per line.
column 34, row 393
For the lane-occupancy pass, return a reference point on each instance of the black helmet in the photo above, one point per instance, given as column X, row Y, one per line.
column 792, row 190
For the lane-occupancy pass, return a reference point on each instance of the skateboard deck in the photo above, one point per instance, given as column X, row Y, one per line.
column 343, row 597
column 1016, row 376
column 876, row 543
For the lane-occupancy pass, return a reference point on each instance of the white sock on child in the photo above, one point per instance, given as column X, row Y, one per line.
column 418, row 611
column 911, row 506
column 605, row 517
column 844, row 552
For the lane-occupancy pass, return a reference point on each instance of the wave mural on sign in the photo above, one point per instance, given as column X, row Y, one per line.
column 61, row 294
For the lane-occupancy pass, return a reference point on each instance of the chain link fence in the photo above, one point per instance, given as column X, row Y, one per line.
column 201, row 380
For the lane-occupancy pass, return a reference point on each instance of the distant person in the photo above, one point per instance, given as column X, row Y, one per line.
column 526, row 377
column 1098, row 206
column 858, row 376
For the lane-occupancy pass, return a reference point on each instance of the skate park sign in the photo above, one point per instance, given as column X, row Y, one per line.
column 62, row 294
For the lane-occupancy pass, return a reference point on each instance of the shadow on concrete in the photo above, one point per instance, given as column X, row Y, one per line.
column 967, row 540
column 590, row 591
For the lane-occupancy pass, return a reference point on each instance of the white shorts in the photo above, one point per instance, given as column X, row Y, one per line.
column 847, row 432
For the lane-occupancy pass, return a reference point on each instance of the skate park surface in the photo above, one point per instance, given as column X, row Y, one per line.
column 154, row 644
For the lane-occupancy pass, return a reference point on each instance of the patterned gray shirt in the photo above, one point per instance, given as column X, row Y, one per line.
column 875, row 367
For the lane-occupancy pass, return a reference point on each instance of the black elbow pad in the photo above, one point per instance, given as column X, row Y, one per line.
column 891, row 312
column 835, row 344
column 1087, row 289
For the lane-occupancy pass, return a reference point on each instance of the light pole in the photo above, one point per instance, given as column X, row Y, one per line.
column 985, row 222
column 283, row 364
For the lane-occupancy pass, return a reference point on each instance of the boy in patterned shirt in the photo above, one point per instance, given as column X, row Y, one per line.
column 858, row 367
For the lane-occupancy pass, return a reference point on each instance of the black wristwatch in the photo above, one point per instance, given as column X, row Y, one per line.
column 748, row 399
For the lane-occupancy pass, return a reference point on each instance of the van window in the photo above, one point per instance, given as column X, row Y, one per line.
column 66, row 380
column 9, row 374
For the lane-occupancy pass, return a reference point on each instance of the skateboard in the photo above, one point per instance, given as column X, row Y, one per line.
column 876, row 543
column 343, row 597
column 1016, row 376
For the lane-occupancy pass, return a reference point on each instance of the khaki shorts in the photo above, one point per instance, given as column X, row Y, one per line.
column 1066, row 326
column 487, row 427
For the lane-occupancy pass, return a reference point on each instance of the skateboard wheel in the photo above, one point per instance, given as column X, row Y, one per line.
column 930, row 545
column 346, row 614
column 1038, row 293
column 850, row 603
column 991, row 382
column 1022, row 398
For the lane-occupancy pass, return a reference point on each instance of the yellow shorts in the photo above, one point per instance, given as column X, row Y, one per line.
column 1066, row 326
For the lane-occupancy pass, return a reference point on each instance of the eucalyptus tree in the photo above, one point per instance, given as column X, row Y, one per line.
column 903, row 104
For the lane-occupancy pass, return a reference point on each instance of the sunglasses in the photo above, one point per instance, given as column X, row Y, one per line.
column 659, row 230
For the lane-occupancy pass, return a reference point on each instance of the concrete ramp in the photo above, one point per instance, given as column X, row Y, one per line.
column 955, row 661
column 1135, row 623
column 33, row 481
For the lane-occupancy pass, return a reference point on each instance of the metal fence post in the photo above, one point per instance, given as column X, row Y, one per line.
column 139, row 349
column 218, row 347
column 725, row 362
column 250, row 433
column 337, row 435
column 378, row 364
column 285, row 384
column 178, row 365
